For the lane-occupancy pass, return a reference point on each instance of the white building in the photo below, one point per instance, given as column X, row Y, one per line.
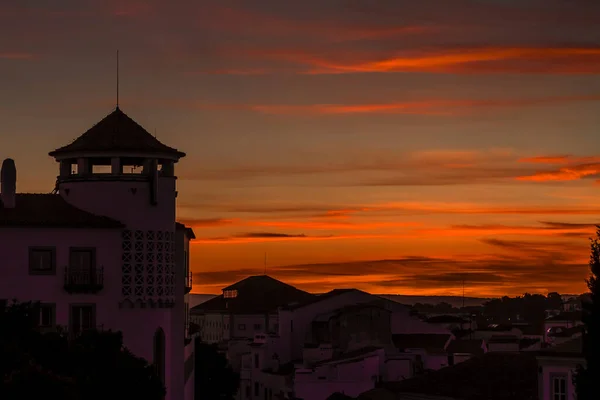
column 103, row 250
column 556, row 370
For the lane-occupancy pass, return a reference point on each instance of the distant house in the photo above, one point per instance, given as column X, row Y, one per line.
column 562, row 320
column 486, row 332
column 465, row 349
column 451, row 322
column 430, row 348
column 503, row 343
column 556, row 366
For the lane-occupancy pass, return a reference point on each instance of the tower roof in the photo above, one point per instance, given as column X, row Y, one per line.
column 117, row 133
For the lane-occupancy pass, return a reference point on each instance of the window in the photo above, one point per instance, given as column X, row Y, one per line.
column 241, row 327
column 42, row 260
column 47, row 315
column 83, row 317
column 256, row 389
column 558, row 389
column 82, row 259
column 230, row 294
column 248, row 392
column 256, row 361
column 257, row 327
column 291, row 326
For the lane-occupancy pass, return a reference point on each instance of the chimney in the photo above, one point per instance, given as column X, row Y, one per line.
column 8, row 183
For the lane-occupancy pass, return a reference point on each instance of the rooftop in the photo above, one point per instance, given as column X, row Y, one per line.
column 117, row 133
column 566, row 316
column 256, row 295
column 493, row 376
column 50, row 210
column 466, row 346
column 431, row 342
column 446, row 319
column 321, row 297
column 571, row 348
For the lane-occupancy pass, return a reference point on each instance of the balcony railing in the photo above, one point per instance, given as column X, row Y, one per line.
column 84, row 280
column 188, row 283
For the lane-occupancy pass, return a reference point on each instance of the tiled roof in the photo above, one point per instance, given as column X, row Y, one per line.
column 117, row 132
column 571, row 348
column 527, row 342
column 431, row 342
column 256, row 295
column 466, row 346
column 50, row 210
column 493, row 376
column 568, row 332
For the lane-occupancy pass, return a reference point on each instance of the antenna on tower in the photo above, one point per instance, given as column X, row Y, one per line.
column 117, row 79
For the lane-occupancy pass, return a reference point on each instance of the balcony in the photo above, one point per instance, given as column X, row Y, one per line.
column 188, row 283
column 84, row 280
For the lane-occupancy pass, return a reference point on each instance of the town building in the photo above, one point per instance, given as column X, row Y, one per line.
column 103, row 250
column 287, row 343
column 557, row 366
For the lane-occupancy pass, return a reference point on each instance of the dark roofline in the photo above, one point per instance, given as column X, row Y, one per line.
column 188, row 231
column 322, row 297
column 109, row 124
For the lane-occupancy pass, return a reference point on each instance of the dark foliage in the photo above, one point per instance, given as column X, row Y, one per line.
column 93, row 366
column 587, row 379
column 214, row 377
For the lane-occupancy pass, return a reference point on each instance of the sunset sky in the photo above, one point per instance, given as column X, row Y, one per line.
column 393, row 146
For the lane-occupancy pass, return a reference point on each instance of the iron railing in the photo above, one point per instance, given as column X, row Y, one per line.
column 84, row 280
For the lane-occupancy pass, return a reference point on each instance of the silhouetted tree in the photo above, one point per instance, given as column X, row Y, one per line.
column 93, row 366
column 587, row 380
column 554, row 301
column 214, row 377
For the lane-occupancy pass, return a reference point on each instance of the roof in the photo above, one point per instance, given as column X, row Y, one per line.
column 496, row 328
column 566, row 316
column 115, row 133
column 188, row 231
column 284, row 369
column 349, row 355
column 493, row 376
column 571, row 348
column 445, row 319
column 51, row 211
column 568, row 332
column 321, row 297
column 431, row 342
column 466, row 346
column 503, row 339
column 256, row 295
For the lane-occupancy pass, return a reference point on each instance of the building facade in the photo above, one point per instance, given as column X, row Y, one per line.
column 103, row 250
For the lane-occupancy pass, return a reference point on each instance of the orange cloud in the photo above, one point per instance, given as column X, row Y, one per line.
column 570, row 173
column 260, row 237
column 440, row 107
column 535, row 60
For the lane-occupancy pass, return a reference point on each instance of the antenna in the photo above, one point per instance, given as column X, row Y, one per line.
column 265, row 263
column 117, row 79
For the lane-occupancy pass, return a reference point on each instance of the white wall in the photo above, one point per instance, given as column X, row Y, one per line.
column 559, row 367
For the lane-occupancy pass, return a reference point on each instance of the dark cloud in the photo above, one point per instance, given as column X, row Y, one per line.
column 268, row 235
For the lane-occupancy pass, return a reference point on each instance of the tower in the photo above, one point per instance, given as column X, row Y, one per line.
column 118, row 170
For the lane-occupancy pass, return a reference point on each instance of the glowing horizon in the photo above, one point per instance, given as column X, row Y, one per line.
column 354, row 147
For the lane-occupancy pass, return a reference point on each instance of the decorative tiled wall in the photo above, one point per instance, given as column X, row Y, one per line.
column 148, row 266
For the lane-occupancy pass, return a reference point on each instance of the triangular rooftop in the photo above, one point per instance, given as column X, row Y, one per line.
column 117, row 133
